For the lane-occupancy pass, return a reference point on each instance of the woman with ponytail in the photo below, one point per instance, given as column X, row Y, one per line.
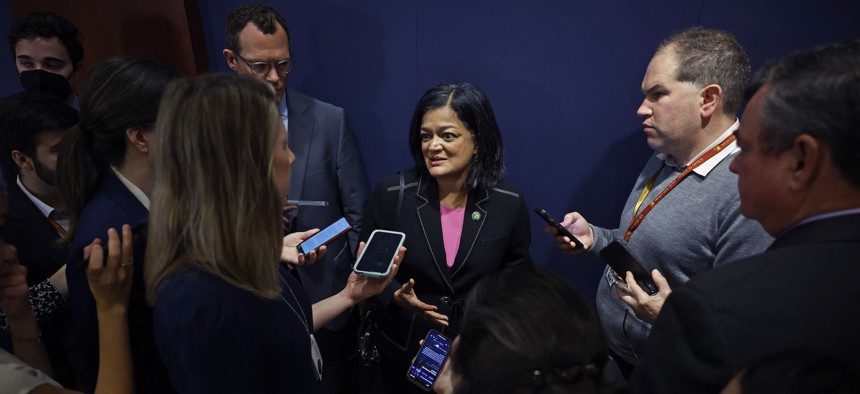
column 105, row 176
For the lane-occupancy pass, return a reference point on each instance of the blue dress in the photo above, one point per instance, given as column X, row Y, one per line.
column 217, row 338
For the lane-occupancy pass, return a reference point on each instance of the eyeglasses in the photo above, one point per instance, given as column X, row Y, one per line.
column 261, row 69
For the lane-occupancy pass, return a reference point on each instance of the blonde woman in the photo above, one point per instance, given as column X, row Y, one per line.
column 228, row 316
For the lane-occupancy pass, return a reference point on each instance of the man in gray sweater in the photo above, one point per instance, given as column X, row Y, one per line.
column 682, row 216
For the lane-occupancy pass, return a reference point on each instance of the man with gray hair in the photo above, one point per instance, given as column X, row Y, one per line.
column 682, row 215
column 799, row 176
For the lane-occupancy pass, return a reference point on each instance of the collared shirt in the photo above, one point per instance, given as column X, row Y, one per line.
column 50, row 212
column 285, row 116
column 821, row 216
column 709, row 165
column 139, row 194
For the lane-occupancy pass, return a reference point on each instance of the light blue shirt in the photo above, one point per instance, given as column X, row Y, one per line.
column 285, row 117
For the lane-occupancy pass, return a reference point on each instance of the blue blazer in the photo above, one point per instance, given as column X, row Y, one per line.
column 111, row 206
column 328, row 167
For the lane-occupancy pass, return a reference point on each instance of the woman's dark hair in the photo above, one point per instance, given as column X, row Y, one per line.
column 121, row 93
column 525, row 330
column 474, row 110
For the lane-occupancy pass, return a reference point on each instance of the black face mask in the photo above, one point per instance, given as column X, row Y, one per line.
column 45, row 82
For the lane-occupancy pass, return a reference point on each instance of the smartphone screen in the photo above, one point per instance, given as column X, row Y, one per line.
column 325, row 236
column 428, row 362
column 379, row 252
column 558, row 227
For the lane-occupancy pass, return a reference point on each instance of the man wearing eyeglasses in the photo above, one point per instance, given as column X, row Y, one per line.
column 328, row 166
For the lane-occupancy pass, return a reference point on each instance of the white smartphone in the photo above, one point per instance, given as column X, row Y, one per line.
column 379, row 252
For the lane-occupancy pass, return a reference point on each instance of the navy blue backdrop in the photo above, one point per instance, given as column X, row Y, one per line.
column 563, row 77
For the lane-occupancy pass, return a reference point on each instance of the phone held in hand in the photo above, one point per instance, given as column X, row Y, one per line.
column 379, row 252
column 558, row 227
column 325, row 236
column 621, row 260
column 428, row 362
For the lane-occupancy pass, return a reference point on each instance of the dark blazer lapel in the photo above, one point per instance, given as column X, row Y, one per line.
column 430, row 221
column 31, row 223
column 301, row 126
column 474, row 221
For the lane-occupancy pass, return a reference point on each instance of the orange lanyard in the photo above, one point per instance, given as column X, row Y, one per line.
column 637, row 220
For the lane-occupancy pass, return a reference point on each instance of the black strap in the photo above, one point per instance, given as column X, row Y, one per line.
column 399, row 196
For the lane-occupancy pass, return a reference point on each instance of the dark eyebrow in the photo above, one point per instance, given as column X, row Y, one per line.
column 53, row 59
column 47, row 59
column 653, row 88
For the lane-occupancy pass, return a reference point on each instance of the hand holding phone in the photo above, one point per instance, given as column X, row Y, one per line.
column 427, row 364
column 378, row 254
column 323, row 237
column 621, row 260
column 558, row 227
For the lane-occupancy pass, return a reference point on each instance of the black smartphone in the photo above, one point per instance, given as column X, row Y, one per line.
column 622, row 260
column 428, row 362
column 325, row 236
column 379, row 252
column 558, row 227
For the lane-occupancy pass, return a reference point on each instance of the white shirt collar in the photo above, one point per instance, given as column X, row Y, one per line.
column 45, row 208
column 706, row 167
column 285, row 116
column 139, row 194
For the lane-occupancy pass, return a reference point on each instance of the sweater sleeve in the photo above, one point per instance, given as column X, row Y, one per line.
column 739, row 237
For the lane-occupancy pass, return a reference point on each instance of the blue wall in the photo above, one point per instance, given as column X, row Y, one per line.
column 562, row 75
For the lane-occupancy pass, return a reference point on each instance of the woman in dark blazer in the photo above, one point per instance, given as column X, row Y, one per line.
column 105, row 176
column 461, row 222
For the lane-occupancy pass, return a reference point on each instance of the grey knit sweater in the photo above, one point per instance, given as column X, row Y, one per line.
column 696, row 227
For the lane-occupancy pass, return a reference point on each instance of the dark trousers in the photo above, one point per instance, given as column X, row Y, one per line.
column 336, row 347
column 394, row 378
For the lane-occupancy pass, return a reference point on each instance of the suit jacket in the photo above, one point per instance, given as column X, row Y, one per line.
column 33, row 236
column 328, row 167
column 111, row 206
column 799, row 294
column 496, row 234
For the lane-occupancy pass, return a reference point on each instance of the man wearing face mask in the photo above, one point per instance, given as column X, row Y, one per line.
column 48, row 54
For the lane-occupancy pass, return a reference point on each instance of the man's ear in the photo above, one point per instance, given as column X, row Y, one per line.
column 22, row 160
column 806, row 156
column 77, row 74
column 136, row 136
column 230, row 58
column 712, row 97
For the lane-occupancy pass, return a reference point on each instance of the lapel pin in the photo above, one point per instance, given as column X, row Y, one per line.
column 476, row 216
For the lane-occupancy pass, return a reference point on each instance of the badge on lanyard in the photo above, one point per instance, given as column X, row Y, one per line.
column 316, row 357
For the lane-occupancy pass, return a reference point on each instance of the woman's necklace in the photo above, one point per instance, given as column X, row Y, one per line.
column 316, row 357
